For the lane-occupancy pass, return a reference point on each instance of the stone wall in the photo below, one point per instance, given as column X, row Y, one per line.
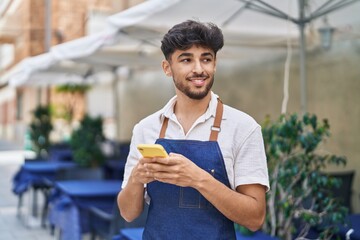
column 333, row 86
column 333, row 93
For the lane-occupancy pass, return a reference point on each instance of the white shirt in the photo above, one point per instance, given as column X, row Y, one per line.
column 240, row 141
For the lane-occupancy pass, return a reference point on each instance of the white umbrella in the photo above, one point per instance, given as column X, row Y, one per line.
column 132, row 37
column 124, row 39
column 251, row 22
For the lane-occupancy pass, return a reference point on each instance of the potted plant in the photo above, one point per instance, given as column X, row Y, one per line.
column 300, row 196
column 39, row 130
column 86, row 142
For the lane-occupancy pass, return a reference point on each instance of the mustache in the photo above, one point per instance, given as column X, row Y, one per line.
column 198, row 76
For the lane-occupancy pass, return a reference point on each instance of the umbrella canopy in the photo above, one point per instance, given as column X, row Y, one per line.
column 244, row 22
column 132, row 37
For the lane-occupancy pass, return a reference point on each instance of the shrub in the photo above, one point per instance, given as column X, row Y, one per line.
column 39, row 130
column 86, row 142
column 300, row 196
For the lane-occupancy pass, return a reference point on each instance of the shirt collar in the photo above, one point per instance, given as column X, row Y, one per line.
column 168, row 109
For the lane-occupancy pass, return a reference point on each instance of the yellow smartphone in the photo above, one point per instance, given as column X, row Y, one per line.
column 152, row 150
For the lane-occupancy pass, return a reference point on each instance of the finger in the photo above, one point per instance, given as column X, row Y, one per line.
column 141, row 169
column 165, row 180
column 146, row 160
column 175, row 155
column 164, row 161
column 173, row 159
column 158, row 167
column 164, row 176
column 143, row 177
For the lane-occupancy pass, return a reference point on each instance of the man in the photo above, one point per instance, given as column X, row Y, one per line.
column 216, row 172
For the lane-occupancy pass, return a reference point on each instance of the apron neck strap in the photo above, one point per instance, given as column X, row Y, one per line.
column 215, row 128
column 163, row 127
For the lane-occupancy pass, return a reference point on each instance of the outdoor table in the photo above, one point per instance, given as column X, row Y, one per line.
column 36, row 175
column 71, row 201
column 136, row 234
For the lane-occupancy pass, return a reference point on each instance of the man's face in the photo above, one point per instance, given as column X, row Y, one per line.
column 192, row 71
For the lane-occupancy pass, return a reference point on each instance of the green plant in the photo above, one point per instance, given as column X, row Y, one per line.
column 300, row 195
column 39, row 130
column 71, row 93
column 86, row 142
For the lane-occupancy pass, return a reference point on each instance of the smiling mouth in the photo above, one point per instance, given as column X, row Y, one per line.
column 198, row 82
column 197, row 78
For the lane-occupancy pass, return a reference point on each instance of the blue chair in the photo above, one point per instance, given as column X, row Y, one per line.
column 114, row 166
column 60, row 152
column 351, row 231
column 124, row 148
column 114, row 169
column 106, row 223
column 343, row 194
column 344, row 191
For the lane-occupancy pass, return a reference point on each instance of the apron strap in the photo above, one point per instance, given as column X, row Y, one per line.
column 164, row 127
column 215, row 128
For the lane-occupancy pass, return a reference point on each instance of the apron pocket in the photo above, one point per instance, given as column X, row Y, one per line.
column 191, row 198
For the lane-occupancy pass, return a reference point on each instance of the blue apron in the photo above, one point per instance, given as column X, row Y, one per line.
column 182, row 212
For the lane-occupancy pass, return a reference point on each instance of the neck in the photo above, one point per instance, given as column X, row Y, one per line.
column 191, row 109
column 187, row 110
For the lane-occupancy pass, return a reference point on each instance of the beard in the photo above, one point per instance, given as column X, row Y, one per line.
column 194, row 94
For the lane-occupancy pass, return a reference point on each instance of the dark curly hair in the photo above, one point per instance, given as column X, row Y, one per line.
column 184, row 35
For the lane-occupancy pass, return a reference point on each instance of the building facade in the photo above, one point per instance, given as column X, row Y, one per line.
column 29, row 28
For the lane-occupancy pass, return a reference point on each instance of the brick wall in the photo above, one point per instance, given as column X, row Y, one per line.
column 20, row 25
column 69, row 18
column 68, row 22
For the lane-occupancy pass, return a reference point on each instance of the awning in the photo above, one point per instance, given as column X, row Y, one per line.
column 132, row 37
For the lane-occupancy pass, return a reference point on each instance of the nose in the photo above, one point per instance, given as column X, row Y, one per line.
column 198, row 69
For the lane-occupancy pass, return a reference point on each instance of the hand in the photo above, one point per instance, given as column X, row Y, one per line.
column 140, row 173
column 176, row 169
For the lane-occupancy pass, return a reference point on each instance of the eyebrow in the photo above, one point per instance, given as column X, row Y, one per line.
column 185, row 54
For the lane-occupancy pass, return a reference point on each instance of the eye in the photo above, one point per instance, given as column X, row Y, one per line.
column 185, row 60
column 207, row 60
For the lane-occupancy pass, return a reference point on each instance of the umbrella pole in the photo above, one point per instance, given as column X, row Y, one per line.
column 47, row 40
column 303, row 85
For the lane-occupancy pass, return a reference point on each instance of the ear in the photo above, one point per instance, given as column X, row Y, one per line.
column 166, row 68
